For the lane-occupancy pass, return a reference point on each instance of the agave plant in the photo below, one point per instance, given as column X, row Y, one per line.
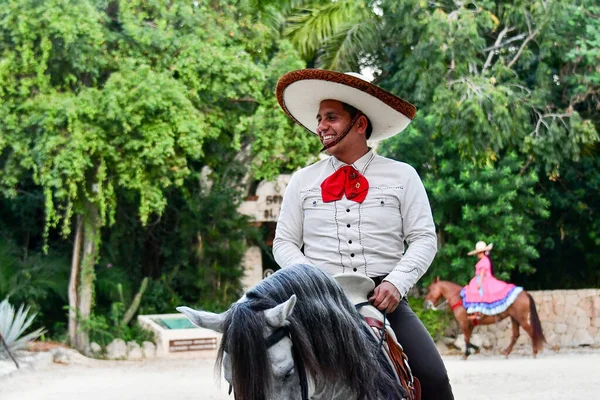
column 12, row 327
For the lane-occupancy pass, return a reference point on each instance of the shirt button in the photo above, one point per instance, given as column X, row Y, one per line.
column 347, row 210
column 348, row 226
column 382, row 202
column 352, row 255
column 354, row 269
column 349, row 241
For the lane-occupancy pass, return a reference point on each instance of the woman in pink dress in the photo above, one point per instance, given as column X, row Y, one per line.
column 486, row 295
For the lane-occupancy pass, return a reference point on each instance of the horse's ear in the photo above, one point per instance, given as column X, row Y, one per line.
column 204, row 319
column 278, row 315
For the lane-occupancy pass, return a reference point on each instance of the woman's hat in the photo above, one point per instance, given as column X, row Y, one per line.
column 301, row 92
column 481, row 247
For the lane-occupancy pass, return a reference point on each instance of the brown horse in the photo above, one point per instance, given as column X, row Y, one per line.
column 519, row 311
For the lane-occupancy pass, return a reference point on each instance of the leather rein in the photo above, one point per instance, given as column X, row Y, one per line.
column 448, row 301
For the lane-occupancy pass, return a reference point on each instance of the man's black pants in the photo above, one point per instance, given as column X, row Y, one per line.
column 423, row 357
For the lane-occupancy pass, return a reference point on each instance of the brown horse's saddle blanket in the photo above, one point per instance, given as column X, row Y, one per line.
column 357, row 287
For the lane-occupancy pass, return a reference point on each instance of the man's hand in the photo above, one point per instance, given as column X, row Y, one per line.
column 385, row 297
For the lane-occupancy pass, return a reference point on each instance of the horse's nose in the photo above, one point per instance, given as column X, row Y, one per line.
column 427, row 304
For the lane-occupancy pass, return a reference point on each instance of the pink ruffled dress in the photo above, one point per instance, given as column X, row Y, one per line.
column 494, row 297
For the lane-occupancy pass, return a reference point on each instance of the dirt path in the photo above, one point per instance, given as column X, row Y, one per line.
column 551, row 376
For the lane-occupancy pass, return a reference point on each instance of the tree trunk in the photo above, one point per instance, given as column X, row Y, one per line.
column 73, row 282
column 135, row 304
column 91, row 237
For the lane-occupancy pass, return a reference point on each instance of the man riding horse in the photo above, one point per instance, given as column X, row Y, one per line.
column 352, row 212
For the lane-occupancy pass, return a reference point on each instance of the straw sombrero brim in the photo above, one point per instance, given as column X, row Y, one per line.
column 489, row 247
column 301, row 92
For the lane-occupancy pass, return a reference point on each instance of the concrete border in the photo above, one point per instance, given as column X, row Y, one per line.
column 172, row 341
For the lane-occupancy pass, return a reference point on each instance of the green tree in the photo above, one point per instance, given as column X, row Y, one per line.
column 101, row 97
column 494, row 115
column 340, row 35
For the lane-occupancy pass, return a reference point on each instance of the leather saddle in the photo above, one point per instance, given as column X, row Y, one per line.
column 358, row 288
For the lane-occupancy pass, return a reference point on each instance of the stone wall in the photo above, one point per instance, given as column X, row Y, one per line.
column 570, row 318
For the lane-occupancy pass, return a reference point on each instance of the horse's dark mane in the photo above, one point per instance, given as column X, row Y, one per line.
column 326, row 330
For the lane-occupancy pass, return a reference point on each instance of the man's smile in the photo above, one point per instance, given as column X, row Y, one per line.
column 326, row 139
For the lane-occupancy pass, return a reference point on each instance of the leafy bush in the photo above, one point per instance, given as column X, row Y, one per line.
column 35, row 280
column 12, row 326
column 436, row 322
column 103, row 329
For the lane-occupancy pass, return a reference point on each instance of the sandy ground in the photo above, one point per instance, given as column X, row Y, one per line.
column 572, row 375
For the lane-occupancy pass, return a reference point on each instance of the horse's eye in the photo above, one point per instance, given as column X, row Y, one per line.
column 288, row 374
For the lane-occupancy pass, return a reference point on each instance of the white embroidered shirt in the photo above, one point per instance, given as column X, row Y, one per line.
column 346, row 236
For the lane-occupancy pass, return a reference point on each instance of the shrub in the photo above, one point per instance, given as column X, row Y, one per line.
column 12, row 326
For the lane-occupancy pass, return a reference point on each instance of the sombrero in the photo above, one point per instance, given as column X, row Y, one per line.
column 301, row 92
column 481, row 247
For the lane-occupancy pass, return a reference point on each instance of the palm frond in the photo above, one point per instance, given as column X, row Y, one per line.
column 309, row 28
column 272, row 13
column 348, row 49
column 33, row 276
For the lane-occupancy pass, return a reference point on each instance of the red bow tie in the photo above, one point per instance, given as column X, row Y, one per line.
column 345, row 180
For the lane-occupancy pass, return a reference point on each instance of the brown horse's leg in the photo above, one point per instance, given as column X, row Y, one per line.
column 467, row 329
column 515, row 336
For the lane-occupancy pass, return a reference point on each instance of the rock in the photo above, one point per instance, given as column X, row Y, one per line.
column 61, row 357
column 560, row 328
column 116, row 350
column 448, row 341
column 552, row 340
column 442, row 348
column 149, row 349
column 95, row 348
column 582, row 338
column 134, row 351
column 480, row 341
column 459, row 342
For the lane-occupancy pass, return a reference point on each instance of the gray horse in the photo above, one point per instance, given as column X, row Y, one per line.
column 296, row 335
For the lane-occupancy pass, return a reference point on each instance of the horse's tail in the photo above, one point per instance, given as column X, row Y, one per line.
column 536, row 327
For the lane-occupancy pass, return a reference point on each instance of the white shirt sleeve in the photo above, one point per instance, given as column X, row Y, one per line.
column 289, row 232
column 419, row 232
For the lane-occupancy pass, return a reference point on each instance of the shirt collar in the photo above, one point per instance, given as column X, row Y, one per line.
column 360, row 165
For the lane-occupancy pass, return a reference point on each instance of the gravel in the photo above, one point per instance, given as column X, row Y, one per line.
column 563, row 375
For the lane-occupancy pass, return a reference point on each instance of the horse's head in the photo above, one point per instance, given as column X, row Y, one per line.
column 283, row 375
column 434, row 292
column 296, row 335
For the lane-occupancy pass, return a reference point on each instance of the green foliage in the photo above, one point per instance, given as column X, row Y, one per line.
column 495, row 119
column 13, row 326
column 571, row 238
column 30, row 278
column 193, row 252
column 489, row 96
column 126, row 100
column 34, row 279
column 104, row 329
column 495, row 202
column 118, row 107
column 435, row 322
column 339, row 35
column 507, row 96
